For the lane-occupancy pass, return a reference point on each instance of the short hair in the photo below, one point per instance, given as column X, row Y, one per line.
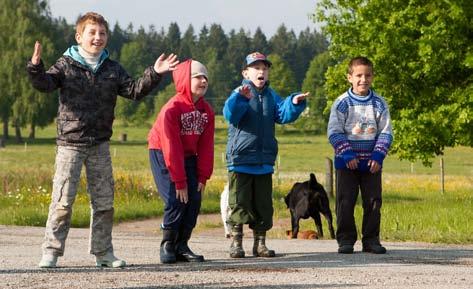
column 359, row 60
column 90, row 17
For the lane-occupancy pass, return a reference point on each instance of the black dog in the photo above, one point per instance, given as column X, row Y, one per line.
column 309, row 199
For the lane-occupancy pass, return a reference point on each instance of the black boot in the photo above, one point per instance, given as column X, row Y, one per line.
column 183, row 252
column 259, row 245
column 167, row 253
column 236, row 248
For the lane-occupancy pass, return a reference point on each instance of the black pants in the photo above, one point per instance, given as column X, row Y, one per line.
column 177, row 215
column 349, row 184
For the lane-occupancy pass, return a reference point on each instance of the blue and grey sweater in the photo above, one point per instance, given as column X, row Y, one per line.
column 359, row 127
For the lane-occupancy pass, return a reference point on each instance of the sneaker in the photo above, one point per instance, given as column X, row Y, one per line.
column 345, row 249
column 109, row 260
column 48, row 261
column 374, row 248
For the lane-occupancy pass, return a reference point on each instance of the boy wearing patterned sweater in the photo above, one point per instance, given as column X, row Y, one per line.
column 360, row 132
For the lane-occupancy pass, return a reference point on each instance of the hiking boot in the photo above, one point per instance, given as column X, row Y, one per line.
column 109, row 260
column 374, row 248
column 259, row 246
column 345, row 249
column 48, row 261
column 236, row 248
column 183, row 252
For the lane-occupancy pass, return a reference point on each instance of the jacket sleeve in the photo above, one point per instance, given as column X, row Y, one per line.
column 286, row 111
column 336, row 132
column 45, row 81
column 139, row 88
column 173, row 150
column 205, row 150
column 235, row 107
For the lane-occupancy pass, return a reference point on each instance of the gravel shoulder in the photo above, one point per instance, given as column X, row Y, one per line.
column 299, row 264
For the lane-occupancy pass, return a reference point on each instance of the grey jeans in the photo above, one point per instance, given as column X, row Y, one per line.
column 100, row 187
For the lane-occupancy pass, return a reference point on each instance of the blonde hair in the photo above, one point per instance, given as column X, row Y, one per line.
column 90, row 17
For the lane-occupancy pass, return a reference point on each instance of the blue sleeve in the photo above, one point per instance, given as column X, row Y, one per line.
column 286, row 111
column 235, row 107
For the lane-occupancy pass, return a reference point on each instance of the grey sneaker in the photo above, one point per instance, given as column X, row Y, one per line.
column 48, row 261
column 109, row 260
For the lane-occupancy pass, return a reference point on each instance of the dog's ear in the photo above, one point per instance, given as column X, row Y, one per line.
column 313, row 181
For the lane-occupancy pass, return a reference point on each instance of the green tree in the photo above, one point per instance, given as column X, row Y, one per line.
column 188, row 43
column 19, row 101
column 260, row 43
column 423, row 56
column 284, row 44
column 173, row 38
column 316, row 116
column 281, row 77
column 309, row 43
column 217, row 40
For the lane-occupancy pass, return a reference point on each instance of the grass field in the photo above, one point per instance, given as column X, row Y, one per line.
column 413, row 206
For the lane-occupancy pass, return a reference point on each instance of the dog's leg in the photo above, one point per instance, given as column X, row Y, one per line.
column 318, row 223
column 328, row 216
column 294, row 225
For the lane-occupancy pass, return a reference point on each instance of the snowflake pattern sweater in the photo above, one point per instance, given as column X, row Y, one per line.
column 359, row 127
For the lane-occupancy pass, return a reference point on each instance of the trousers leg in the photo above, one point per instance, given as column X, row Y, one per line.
column 100, row 186
column 68, row 165
column 371, row 194
column 347, row 193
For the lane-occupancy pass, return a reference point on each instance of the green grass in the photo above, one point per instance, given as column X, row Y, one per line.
column 413, row 207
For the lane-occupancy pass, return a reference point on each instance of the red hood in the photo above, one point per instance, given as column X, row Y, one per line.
column 182, row 81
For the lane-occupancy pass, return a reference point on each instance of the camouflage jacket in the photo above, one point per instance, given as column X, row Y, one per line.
column 86, row 99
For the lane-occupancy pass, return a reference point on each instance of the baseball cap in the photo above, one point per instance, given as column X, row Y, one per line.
column 256, row 56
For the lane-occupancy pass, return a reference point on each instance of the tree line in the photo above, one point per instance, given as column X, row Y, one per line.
column 422, row 52
column 222, row 53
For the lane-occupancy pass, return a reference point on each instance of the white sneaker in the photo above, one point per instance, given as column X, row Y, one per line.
column 109, row 260
column 48, row 261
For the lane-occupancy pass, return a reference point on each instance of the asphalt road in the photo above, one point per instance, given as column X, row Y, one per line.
column 299, row 264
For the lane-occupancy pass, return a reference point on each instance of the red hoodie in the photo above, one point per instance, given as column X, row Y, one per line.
column 183, row 129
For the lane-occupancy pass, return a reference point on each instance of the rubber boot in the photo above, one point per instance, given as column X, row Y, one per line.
column 259, row 246
column 183, row 252
column 236, row 248
column 167, row 253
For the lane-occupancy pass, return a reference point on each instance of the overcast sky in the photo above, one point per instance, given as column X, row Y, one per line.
column 230, row 14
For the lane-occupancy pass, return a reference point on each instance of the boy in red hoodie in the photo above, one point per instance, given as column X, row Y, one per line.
column 181, row 151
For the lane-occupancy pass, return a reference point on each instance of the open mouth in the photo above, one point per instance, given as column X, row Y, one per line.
column 261, row 78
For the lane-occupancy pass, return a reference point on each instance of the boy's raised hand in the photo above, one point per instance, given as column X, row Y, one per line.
column 163, row 65
column 300, row 97
column 245, row 91
column 36, row 58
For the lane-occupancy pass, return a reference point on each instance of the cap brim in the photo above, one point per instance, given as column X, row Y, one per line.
column 267, row 62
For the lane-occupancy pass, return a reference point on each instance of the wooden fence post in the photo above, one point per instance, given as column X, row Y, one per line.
column 329, row 177
column 442, row 176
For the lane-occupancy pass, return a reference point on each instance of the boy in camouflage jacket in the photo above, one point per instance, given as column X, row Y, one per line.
column 89, row 82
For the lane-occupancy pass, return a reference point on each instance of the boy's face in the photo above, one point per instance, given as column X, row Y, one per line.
column 93, row 39
column 199, row 87
column 257, row 73
column 361, row 79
